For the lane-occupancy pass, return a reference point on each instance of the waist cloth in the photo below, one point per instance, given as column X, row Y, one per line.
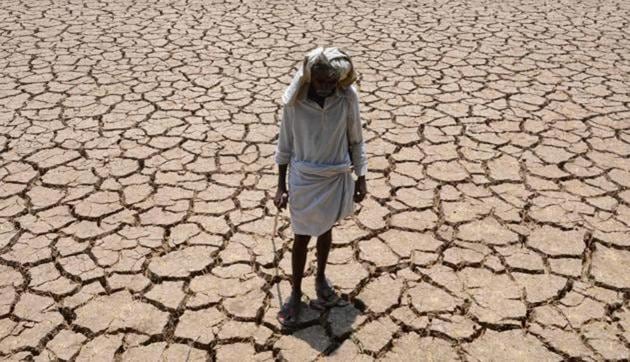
column 319, row 195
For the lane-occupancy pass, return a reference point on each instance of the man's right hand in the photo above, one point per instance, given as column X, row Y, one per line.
column 281, row 199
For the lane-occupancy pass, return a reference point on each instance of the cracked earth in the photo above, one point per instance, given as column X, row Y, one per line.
column 136, row 176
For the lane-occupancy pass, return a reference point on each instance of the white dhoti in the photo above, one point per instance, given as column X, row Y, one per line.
column 319, row 195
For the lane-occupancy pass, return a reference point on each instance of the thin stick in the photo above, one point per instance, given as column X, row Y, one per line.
column 275, row 253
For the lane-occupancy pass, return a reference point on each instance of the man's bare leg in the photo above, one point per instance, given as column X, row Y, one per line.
column 324, row 242
column 290, row 310
column 298, row 261
column 326, row 295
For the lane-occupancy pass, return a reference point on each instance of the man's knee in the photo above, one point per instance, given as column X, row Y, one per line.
column 326, row 236
column 302, row 239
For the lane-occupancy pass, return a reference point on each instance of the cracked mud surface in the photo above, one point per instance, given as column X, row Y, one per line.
column 136, row 170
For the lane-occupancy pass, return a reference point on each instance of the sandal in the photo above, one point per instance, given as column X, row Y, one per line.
column 326, row 296
column 289, row 312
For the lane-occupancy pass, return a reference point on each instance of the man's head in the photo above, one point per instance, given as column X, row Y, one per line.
column 323, row 71
column 324, row 78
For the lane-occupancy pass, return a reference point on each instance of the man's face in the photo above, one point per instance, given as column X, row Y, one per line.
column 324, row 81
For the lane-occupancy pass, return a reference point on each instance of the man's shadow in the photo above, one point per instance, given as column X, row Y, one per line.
column 323, row 329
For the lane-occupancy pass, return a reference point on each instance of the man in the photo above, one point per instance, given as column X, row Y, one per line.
column 320, row 140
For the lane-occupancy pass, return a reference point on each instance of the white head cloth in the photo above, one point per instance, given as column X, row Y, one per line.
column 339, row 60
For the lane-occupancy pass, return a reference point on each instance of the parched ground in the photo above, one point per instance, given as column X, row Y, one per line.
column 136, row 171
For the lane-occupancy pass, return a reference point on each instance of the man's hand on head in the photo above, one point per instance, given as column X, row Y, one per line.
column 360, row 189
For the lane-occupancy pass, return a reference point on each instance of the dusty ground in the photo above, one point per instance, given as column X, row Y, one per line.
column 136, row 168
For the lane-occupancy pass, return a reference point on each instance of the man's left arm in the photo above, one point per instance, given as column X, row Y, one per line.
column 357, row 146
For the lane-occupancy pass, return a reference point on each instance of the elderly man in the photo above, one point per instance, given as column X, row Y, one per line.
column 321, row 141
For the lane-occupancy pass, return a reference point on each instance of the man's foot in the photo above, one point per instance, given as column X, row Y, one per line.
column 326, row 296
column 290, row 311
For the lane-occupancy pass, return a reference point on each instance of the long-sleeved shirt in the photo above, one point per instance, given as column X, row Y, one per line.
column 319, row 135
